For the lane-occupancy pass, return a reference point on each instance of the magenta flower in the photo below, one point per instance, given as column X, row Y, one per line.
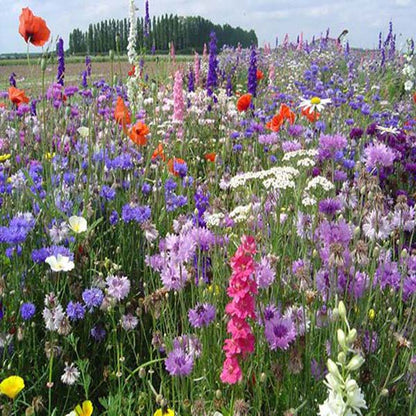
column 280, row 332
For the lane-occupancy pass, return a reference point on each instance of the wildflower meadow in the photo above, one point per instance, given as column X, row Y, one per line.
column 232, row 237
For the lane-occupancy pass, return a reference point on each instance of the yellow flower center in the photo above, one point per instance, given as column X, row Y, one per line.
column 315, row 100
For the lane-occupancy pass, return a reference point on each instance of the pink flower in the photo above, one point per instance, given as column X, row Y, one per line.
column 242, row 288
column 231, row 372
column 178, row 106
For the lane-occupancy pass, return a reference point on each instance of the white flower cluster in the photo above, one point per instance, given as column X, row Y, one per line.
column 131, row 46
column 345, row 397
column 241, row 213
column 409, row 71
column 278, row 177
column 300, row 153
column 319, row 181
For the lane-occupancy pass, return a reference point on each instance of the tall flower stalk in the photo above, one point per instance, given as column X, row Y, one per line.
column 212, row 78
column 252, row 73
column 61, row 61
column 344, row 395
column 241, row 289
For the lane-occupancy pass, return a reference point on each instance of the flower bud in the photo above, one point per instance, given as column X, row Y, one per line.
column 355, row 363
column 384, row 392
column 218, row 394
column 111, row 54
column 351, row 385
column 371, row 314
column 342, row 310
column 342, row 358
column 352, row 336
column 342, row 339
column 43, row 64
column 333, row 369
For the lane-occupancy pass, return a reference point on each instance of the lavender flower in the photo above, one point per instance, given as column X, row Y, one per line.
column 93, row 297
column 75, row 311
column 202, row 315
column 279, row 332
column 179, row 363
column 118, row 287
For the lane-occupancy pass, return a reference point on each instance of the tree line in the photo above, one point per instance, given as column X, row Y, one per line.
column 186, row 33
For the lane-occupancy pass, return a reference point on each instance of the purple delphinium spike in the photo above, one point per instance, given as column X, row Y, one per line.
column 146, row 28
column 12, row 79
column 212, row 78
column 61, row 61
column 191, row 81
column 252, row 73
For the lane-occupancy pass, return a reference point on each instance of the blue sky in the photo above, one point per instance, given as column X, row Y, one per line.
column 269, row 18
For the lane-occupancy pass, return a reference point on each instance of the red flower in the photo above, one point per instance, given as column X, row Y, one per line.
column 33, row 28
column 275, row 123
column 244, row 102
column 259, row 75
column 138, row 133
column 210, row 156
column 132, row 71
column 287, row 114
column 312, row 116
column 17, row 96
column 414, row 97
column 159, row 152
column 121, row 114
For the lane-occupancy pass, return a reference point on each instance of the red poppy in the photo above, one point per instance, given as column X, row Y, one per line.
column 175, row 161
column 259, row 75
column 132, row 71
column 159, row 152
column 287, row 114
column 121, row 114
column 312, row 116
column 414, row 97
column 2, row 105
column 210, row 156
column 138, row 133
column 244, row 102
column 33, row 28
column 17, row 96
column 275, row 123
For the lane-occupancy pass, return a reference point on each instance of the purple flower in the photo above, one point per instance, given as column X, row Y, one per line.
column 379, row 155
column 212, row 77
column 329, row 206
column 93, row 297
column 118, row 287
column 252, row 73
column 136, row 213
column 330, row 145
column 61, row 61
column 265, row 274
column 279, row 332
column 98, row 332
column 27, row 310
column 179, row 363
column 202, row 315
column 75, row 311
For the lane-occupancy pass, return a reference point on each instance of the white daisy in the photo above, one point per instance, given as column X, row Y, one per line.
column 314, row 104
column 388, row 130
